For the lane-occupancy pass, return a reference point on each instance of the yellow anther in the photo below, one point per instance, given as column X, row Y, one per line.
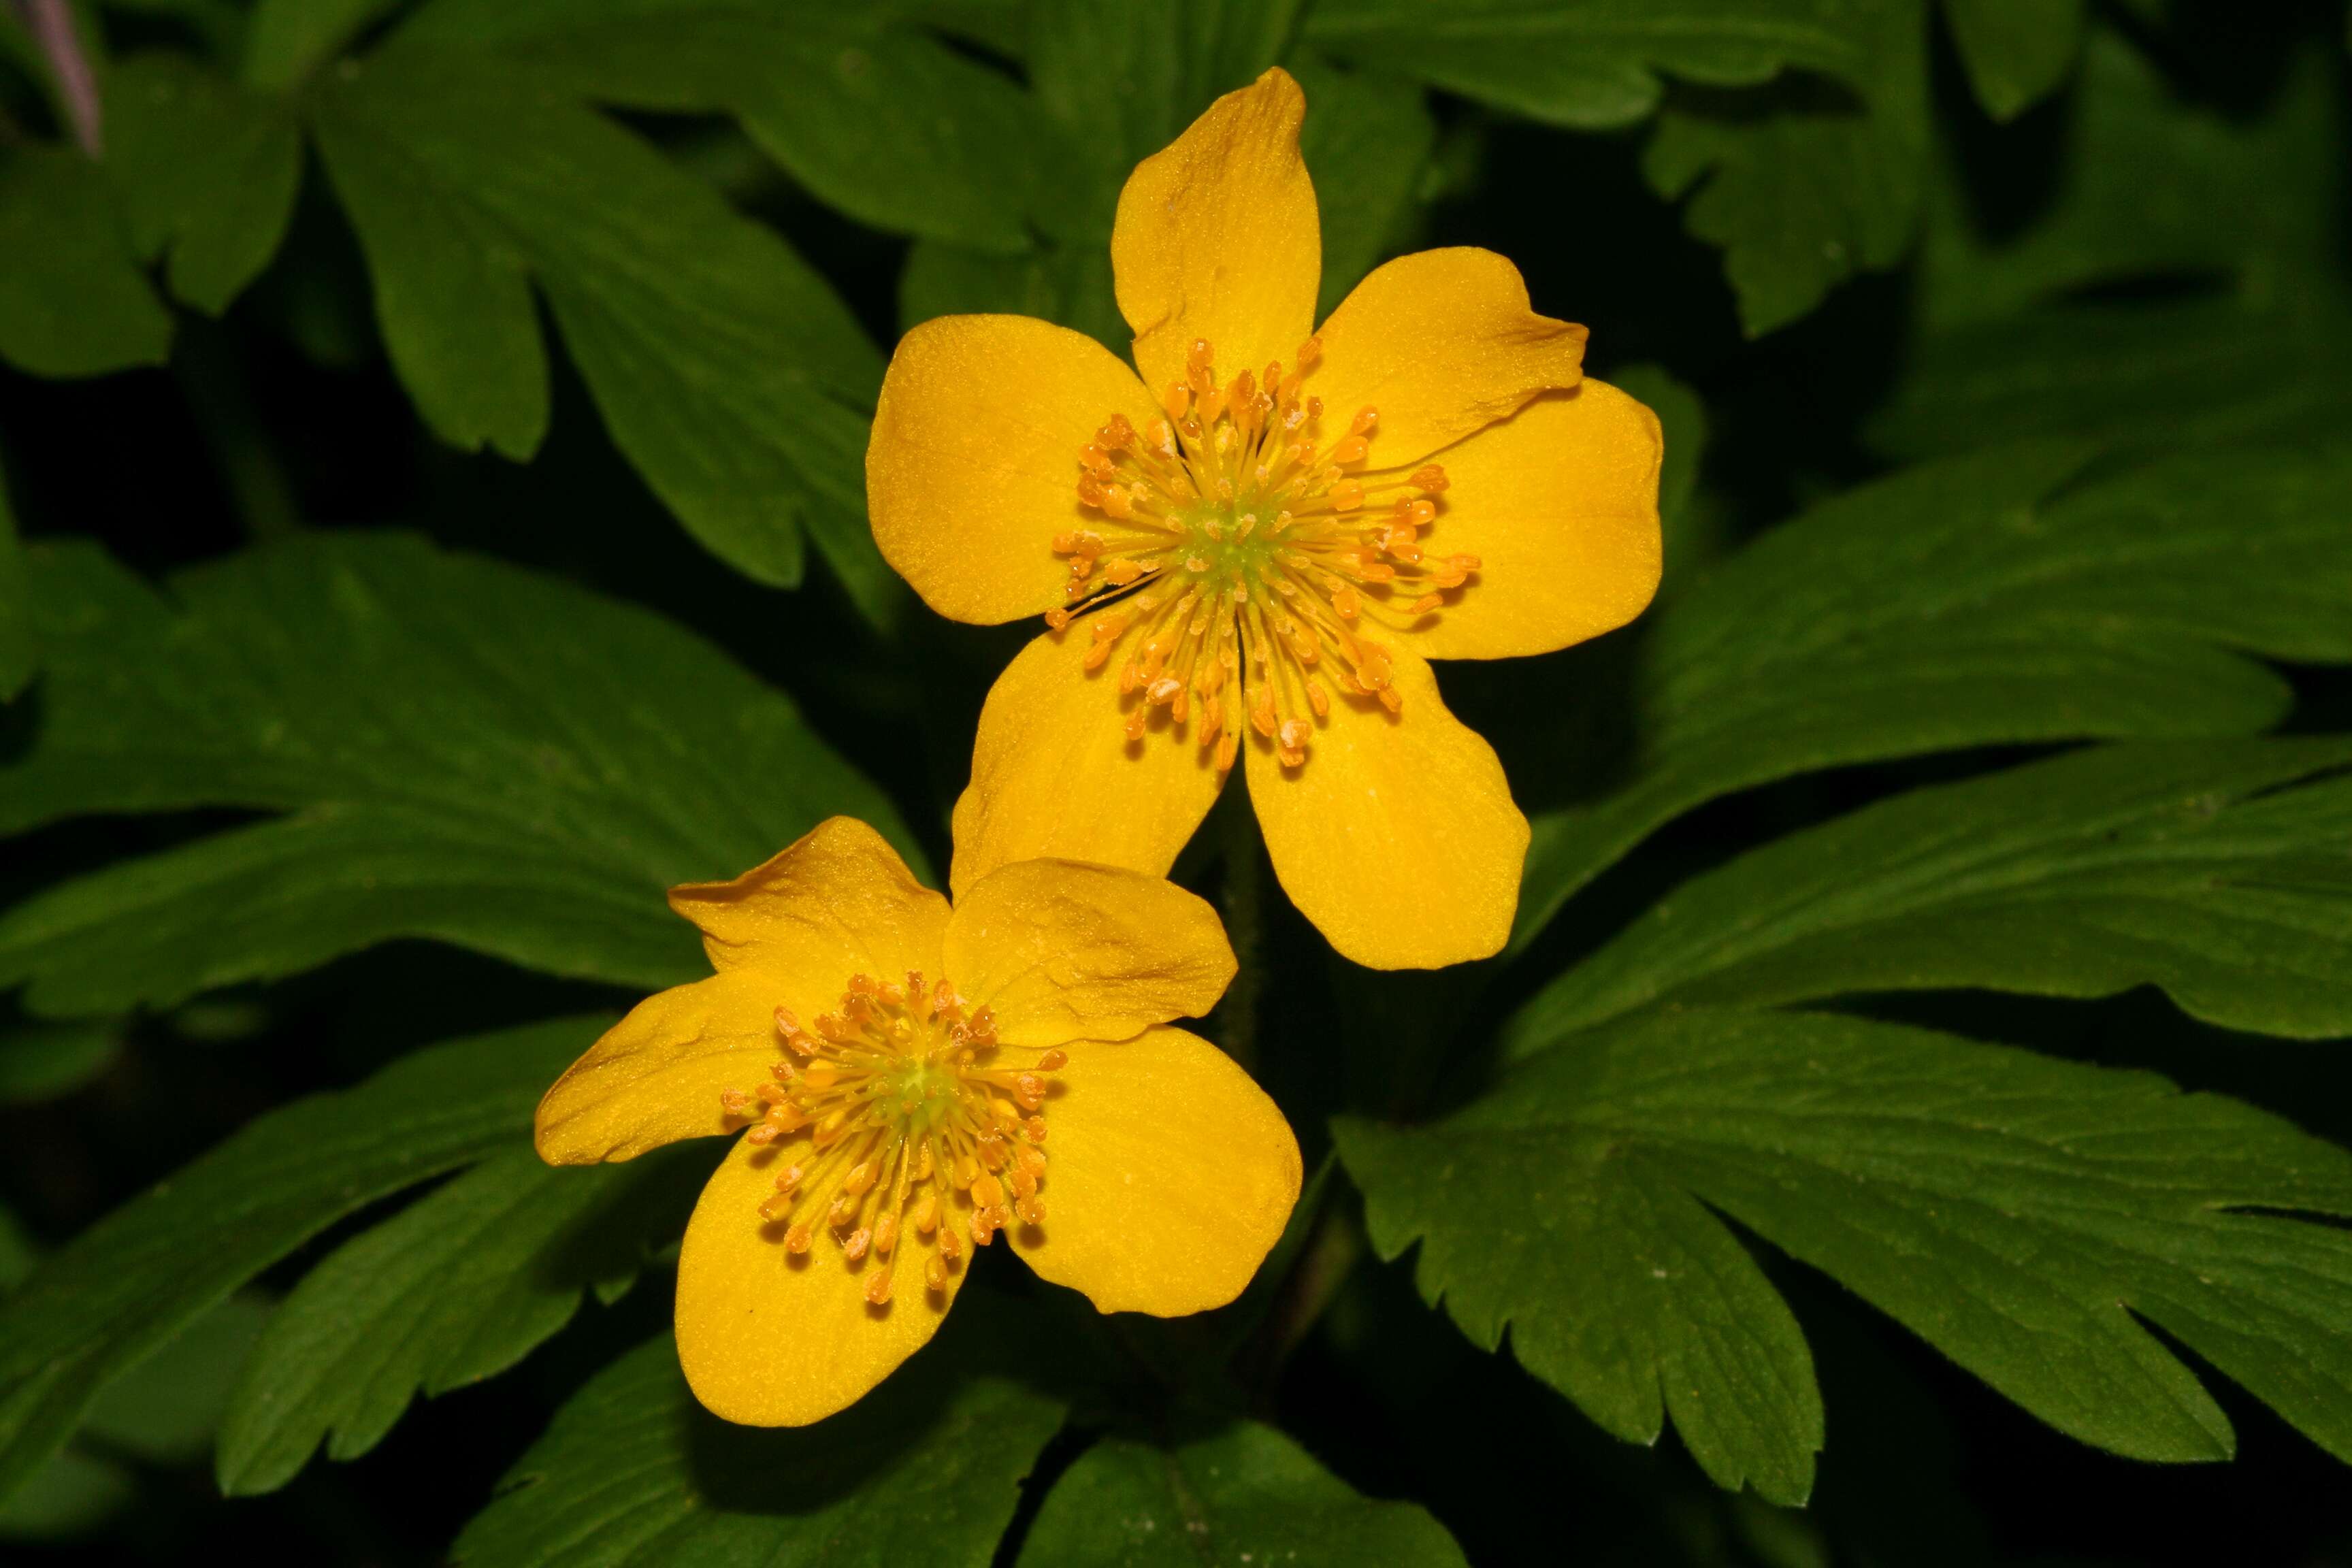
column 1031, row 1210
column 877, row 1289
column 950, row 1244
column 1054, row 1061
column 987, row 1191
column 854, row 1246
column 799, row 1237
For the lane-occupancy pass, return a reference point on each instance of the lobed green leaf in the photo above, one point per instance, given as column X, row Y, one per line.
column 1240, row 1496
column 634, row 1473
column 726, row 371
column 124, row 1288
column 1972, row 602
column 2218, row 870
column 457, row 1287
column 2021, row 1214
column 465, row 751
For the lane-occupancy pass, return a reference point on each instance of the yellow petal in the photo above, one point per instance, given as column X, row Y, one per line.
column 1560, row 503
column 1168, row 1174
column 656, row 1075
column 1217, row 237
column 1398, row 837
column 972, row 468
column 1442, row 343
column 838, row 902
column 770, row 1338
column 1054, row 775
column 1064, row 952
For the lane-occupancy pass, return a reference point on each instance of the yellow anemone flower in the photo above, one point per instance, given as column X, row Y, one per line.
column 892, row 1067
column 1255, row 546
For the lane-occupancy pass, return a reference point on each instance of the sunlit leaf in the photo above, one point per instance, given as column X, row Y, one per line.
column 726, row 371
column 2016, row 52
column 1594, row 63
column 1808, row 182
column 208, row 173
column 72, row 299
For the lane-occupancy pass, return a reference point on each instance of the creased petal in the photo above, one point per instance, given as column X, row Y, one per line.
column 1217, row 237
column 1064, row 952
column 1398, row 837
column 1054, row 777
column 770, row 1338
column 838, row 902
column 972, row 466
column 656, row 1076
column 1442, row 343
column 1168, row 1175
column 1560, row 503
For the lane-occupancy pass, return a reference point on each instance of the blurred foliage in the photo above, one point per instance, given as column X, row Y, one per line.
column 433, row 524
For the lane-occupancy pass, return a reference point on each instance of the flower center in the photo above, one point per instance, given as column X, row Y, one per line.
column 904, row 1125
column 1238, row 559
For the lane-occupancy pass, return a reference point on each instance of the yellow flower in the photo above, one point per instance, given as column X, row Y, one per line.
column 1254, row 548
column 894, row 1069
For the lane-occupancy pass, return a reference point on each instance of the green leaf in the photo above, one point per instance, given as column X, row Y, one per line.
column 1593, row 63
column 1241, row 1496
column 119, row 1292
column 467, row 751
column 42, row 1061
column 726, row 369
column 1124, row 79
column 2112, row 374
column 2147, row 187
column 2217, row 870
column 1806, row 183
column 288, row 40
column 167, row 1409
column 70, row 1495
column 1367, row 142
column 456, row 1287
column 208, row 173
column 875, row 116
column 2016, row 52
column 1976, row 602
column 72, row 299
column 1068, row 282
column 2023, row 1215
column 17, row 655
column 633, row 1473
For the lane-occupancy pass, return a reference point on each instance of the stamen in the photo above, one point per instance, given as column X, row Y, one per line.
column 907, row 1133
column 1236, row 557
